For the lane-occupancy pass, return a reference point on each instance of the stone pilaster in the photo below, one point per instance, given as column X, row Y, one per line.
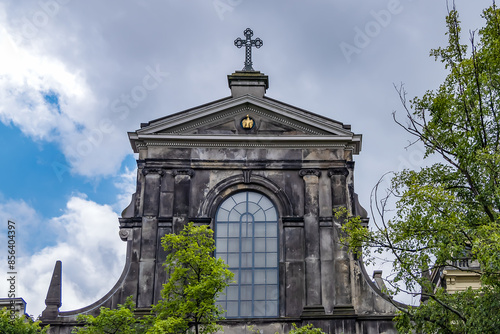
column 338, row 177
column 182, row 187
column 343, row 294
column 312, row 241
column 152, row 190
column 149, row 231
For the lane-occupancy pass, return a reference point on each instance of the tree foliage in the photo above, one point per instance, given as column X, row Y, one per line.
column 307, row 329
column 196, row 279
column 19, row 324
column 112, row 321
column 449, row 210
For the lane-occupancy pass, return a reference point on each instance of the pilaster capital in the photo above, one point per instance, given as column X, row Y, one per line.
column 147, row 171
column 340, row 171
column 310, row 171
column 188, row 172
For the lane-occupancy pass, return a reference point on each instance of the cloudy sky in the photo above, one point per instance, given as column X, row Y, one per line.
column 75, row 76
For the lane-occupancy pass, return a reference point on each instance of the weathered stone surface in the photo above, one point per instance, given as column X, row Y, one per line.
column 53, row 300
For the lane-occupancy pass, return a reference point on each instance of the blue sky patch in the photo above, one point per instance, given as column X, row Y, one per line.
column 52, row 98
column 28, row 174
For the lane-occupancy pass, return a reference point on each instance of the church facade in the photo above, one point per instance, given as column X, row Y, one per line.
column 266, row 177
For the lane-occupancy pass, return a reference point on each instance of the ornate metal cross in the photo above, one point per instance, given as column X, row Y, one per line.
column 248, row 43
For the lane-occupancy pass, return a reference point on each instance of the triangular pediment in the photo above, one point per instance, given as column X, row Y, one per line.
column 244, row 118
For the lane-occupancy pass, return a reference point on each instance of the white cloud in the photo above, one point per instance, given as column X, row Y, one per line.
column 25, row 219
column 126, row 184
column 26, row 77
column 78, row 123
column 90, row 249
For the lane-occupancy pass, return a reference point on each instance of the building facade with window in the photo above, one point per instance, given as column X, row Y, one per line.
column 459, row 275
column 266, row 177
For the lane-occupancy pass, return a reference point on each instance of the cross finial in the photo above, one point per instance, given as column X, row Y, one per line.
column 248, row 43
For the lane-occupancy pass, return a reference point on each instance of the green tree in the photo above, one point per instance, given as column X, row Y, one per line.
column 19, row 324
column 307, row 329
column 117, row 321
column 196, row 279
column 450, row 209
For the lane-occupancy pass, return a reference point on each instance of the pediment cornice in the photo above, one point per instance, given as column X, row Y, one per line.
column 301, row 128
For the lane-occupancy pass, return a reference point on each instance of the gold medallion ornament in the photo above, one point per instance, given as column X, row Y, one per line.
column 247, row 123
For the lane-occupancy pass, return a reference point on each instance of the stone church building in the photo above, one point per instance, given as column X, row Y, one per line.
column 265, row 176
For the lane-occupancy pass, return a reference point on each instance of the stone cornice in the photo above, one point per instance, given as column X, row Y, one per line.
column 248, row 142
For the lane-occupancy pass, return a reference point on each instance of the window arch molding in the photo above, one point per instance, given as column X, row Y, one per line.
column 236, row 183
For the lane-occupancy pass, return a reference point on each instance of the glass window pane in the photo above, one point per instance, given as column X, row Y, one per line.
column 246, row 309
column 233, row 260
column 246, row 292
column 232, row 293
column 246, row 218
column 222, row 215
column 234, row 216
column 260, row 292
column 233, row 245
column 234, row 230
column 227, row 204
column 271, row 230
column 271, row 215
column 271, row 308
column 260, row 244
column 221, row 245
column 221, row 230
column 271, row 292
column 246, row 277
column 246, row 260
column 241, row 208
column 246, row 229
column 271, row 276
column 260, row 260
column 260, row 230
column 265, row 203
column 232, row 309
column 259, row 216
column 246, row 245
column 259, row 308
column 259, row 276
column 240, row 197
column 272, row 260
column 254, row 197
column 253, row 208
column 272, row 245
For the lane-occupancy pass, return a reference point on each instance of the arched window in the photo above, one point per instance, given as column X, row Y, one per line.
column 246, row 238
